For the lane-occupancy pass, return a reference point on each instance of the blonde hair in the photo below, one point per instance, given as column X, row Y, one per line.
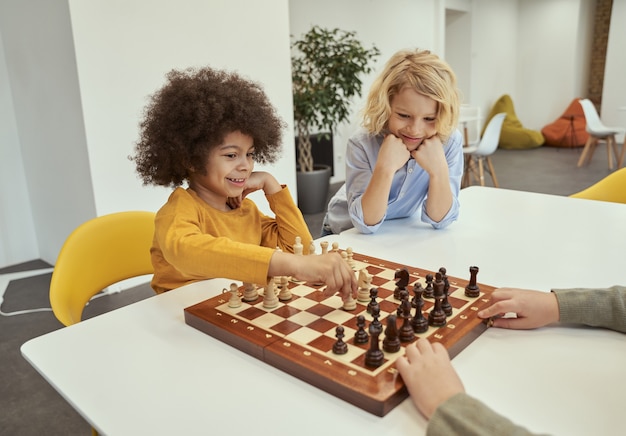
column 427, row 74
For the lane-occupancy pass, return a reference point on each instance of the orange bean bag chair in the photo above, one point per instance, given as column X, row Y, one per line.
column 513, row 134
column 569, row 129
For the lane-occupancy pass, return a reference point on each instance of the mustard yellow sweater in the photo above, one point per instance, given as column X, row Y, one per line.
column 193, row 241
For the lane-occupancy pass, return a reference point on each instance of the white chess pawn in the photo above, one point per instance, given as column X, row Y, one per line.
column 350, row 303
column 250, row 292
column 312, row 247
column 297, row 246
column 285, row 293
column 324, row 245
column 351, row 262
column 234, row 300
column 270, row 300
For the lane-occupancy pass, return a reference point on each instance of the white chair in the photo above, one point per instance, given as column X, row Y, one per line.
column 478, row 155
column 599, row 132
column 470, row 120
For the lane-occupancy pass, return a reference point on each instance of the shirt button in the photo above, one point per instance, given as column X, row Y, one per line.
column 410, row 170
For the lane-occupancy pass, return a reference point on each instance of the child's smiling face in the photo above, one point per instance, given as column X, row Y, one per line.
column 412, row 117
column 228, row 167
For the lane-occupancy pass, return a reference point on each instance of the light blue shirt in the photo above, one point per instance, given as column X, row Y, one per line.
column 409, row 187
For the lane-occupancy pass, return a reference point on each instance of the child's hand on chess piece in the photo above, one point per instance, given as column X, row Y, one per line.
column 328, row 268
column 428, row 375
column 531, row 309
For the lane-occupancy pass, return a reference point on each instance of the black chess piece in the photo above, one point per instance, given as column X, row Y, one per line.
column 417, row 295
column 402, row 281
column 445, row 304
column 418, row 321
column 429, row 291
column 375, row 322
column 437, row 317
column 340, row 347
column 361, row 336
column 472, row 290
column 391, row 343
column 406, row 332
column 374, row 357
column 373, row 303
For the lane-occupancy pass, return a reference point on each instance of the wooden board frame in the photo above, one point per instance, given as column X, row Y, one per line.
column 378, row 390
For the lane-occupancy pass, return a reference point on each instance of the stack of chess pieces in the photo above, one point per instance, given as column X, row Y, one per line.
column 436, row 288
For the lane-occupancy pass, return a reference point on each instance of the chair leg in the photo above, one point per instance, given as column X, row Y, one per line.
column 492, row 171
column 465, row 181
column 621, row 155
column 591, row 141
column 610, row 150
column 481, row 172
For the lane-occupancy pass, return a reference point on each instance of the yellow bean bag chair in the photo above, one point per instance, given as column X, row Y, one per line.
column 513, row 134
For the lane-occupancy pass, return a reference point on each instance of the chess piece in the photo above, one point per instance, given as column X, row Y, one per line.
column 349, row 303
column 417, row 296
column 250, row 292
column 324, row 245
column 234, row 300
column 401, row 277
column 472, row 290
column 351, row 262
column 297, row 246
column 312, row 248
column 270, row 300
column 429, row 291
column 373, row 303
column 437, row 317
column 418, row 321
column 284, row 293
column 375, row 315
column 340, row 347
column 365, row 284
column 335, row 247
column 374, row 357
column 406, row 332
column 445, row 304
column 391, row 343
column 361, row 336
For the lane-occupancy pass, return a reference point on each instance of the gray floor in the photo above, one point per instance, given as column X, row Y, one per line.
column 29, row 406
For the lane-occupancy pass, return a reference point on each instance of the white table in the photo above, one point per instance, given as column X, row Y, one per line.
column 142, row 370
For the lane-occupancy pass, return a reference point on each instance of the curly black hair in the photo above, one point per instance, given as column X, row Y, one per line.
column 193, row 113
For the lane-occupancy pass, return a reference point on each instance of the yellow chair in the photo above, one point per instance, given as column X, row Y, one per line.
column 97, row 254
column 612, row 188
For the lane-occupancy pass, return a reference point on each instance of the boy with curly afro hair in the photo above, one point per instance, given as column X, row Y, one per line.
column 206, row 128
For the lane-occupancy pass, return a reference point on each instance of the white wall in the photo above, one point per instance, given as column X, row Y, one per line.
column 550, row 59
column 41, row 69
column 17, row 230
column 80, row 73
column 123, row 51
column 614, row 91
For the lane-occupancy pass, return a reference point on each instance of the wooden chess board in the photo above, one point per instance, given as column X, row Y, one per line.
column 298, row 335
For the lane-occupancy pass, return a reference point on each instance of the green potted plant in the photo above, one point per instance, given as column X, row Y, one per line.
column 327, row 65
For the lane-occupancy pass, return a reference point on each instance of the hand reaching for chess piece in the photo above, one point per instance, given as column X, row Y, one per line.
column 532, row 309
column 328, row 268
